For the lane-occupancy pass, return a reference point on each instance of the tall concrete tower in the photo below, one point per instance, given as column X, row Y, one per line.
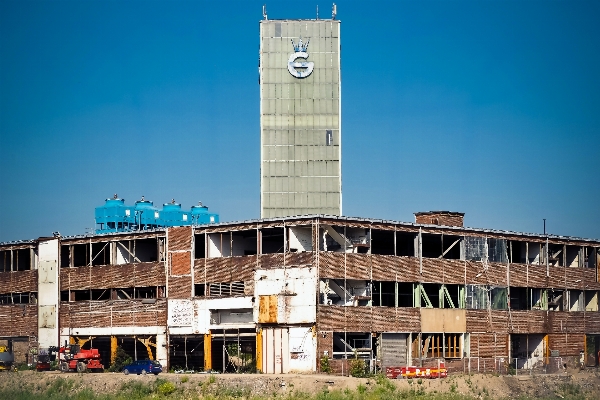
column 300, row 117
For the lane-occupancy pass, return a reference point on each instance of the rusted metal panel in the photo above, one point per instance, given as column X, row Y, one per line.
column 408, row 319
column 19, row 320
column 537, row 276
column 489, row 345
column 267, row 261
column 331, row 318
column 518, row 275
column 330, row 265
column 90, row 314
column 477, row 321
column 299, row 259
column 180, row 238
column 181, row 263
column 566, row 321
column 567, row 343
column 592, row 322
column 359, row 319
column 525, row 322
column 19, row 281
column 358, row 266
column 383, row 319
column 113, row 276
column 496, row 274
column 180, row 287
column 267, row 309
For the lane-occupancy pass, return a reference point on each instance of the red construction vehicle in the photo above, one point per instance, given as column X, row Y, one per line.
column 73, row 358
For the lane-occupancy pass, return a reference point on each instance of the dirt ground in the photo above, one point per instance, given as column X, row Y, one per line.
column 480, row 386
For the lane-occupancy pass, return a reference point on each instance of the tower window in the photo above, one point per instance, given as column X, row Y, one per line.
column 328, row 138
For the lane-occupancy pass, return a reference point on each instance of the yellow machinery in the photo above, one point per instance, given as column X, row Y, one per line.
column 6, row 359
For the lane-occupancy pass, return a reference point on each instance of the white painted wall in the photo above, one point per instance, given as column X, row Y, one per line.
column 303, row 350
column 199, row 316
column 296, row 291
column 48, row 294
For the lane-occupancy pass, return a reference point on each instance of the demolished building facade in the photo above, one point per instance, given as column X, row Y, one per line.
column 281, row 294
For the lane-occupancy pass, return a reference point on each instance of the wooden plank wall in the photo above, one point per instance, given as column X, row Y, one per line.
column 113, row 276
column 18, row 320
column 19, row 281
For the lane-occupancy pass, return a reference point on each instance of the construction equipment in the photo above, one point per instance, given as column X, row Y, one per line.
column 74, row 358
column 7, row 359
column 45, row 358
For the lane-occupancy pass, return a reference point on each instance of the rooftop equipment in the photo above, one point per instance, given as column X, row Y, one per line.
column 116, row 216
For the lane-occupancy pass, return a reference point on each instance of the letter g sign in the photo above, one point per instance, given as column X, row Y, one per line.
column 306, row 67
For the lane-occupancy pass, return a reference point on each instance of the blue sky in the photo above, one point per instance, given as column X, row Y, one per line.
column 491, row 108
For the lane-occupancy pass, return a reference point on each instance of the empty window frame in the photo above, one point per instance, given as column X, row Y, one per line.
column 517, row 252
column 518, row 298
column 272, row 240
column 474, row 248
column 18, row 298
column 199, row 290
column 476, row 297
column 382, row 242
column 200, row 246
column 352, row 344
column 591, row 300
column 573, row 256
column 16, row 260
column 101, row 253
column 137, row 250
column 556, row 255
column 431, row 245
column 65, row 256
column 576, row 300
column 384, row 294
column 497, row 251
column 405, row 244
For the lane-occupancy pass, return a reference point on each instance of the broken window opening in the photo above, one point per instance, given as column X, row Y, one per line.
column 474, row 249
column 18, row 298
column 405, row 294
column 477, row 297
column 101, row 253
column 497, row 251
column 100, row 294
column 146, row 250
column 405, row 244
column 517, row 252
column 556, row 300
column 572, row 256
column 451, row 247
column 382, row 242
column 80, row 295
column 589, row 257
column 80, row 255
column 527, row 349
column 225, row 289
column 384, row 294
column 22, row 260
column 538, row 299
column 64, row 295
column 272, row 240
column 576, row 300
column 555, row 255
column 352, row 293
column 499, row 298
column 431, row 245
column 352, row 344
column 518, row 298
column 243, row 243
column 300, row 239
column 199, row 290
column 199, row 246
column 5, row 261
column 591, row 300
column 65, row 251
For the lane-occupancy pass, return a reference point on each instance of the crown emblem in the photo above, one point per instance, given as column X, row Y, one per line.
column 300, row 47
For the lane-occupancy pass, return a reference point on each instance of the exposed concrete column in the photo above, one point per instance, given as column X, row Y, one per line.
column 48, row 293
column 161, row 348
